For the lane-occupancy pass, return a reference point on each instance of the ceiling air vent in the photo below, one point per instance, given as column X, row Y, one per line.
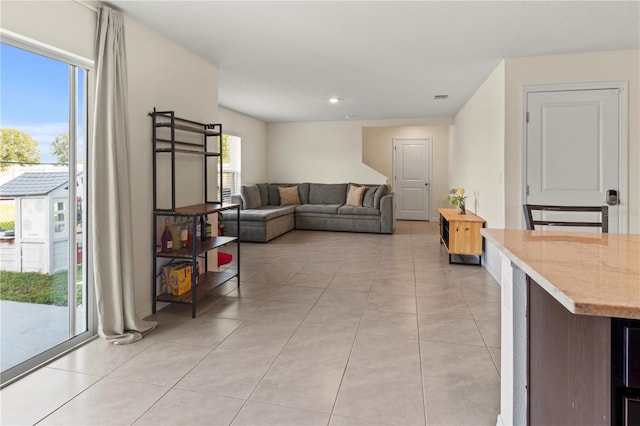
column 440, row 97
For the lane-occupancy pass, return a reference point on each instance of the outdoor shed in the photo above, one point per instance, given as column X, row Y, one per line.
column 40, row 243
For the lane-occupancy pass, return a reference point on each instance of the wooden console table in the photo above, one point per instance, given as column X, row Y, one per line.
column 460, row 233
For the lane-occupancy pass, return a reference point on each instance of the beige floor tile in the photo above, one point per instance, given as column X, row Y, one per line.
column 33, row 397
column 316, row 344
column 163, row 363
column 475, row 406
column 310, row 280
column 486, row 311
column 276, row 312
column 490, row 331
column 495, row 355
column 443, row 306
column 451, row 330
column 255, row 290
column 259, row 337
column 389, row 324
column 180, row 407
column 295, row 294
column 257, row 413
column 233, row 374
column 399, row 303
column 455, row 367
column 352, row 421
column 108, row 402
column 300, row 384
column 352, row 283
column 99, row 357
column 207, row 331
column 348, row 300
column 396, row 353
column 235, row 308
column 393, row 286
column 381, row 395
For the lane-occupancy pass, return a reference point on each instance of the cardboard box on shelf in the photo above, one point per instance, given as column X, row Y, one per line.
column 176, row 279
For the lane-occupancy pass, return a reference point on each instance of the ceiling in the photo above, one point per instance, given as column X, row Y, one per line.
column 282, row 61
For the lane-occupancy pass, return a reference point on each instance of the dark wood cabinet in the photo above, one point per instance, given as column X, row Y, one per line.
column 625, row 372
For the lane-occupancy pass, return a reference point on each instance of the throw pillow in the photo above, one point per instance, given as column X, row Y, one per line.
column 369, row 196
column 288, row 195
column 250, row 195
column 354, row 196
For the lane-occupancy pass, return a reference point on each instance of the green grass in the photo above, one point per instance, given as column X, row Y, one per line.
column 32, row 287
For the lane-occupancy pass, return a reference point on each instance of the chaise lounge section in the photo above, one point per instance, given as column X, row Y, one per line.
column 269, row 210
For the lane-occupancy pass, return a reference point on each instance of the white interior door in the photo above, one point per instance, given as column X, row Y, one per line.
column 412, row 182
column 572, row 153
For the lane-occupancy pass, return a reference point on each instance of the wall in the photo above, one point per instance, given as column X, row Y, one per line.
column 253, row 146
column 476, row 161
column 622, row 65
column 161, row 74
column 329, row 151
column 168, row 77
column 377, row 153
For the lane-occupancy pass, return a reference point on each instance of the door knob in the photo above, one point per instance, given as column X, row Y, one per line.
column 612, row 197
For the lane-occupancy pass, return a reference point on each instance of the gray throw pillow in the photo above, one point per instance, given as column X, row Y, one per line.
column 369, row 197
column 250, row 196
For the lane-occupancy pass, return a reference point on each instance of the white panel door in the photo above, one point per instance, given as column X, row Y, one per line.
column 572, row 149
column 412, row 178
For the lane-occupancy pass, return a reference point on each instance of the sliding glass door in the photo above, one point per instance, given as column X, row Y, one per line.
column 45, row 299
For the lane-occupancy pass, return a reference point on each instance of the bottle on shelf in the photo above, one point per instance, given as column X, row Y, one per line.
column 202, row 228
column 175, row 233
column 184, row 234
column 167, row 239
column 207, row 227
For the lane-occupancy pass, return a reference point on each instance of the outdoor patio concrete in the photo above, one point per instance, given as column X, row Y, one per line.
column 27, row 329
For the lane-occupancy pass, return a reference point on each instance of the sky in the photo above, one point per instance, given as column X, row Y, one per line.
column 34, row 96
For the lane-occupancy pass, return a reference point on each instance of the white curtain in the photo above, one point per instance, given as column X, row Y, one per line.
column 111, row 208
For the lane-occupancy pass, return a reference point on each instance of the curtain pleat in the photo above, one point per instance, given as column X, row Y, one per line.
column 111, row 208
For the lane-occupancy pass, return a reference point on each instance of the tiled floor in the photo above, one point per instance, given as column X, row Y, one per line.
column 326, row 328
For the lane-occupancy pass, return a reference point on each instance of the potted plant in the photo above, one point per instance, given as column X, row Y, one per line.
column 457, row 198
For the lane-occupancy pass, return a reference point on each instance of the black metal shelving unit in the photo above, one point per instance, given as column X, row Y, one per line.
column 173, row 136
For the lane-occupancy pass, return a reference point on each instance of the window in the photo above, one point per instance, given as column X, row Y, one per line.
column 43, row 116
column 59, row 217
column 230, row 167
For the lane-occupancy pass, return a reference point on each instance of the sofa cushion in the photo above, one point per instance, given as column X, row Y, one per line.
column 380, row 192
column 289, row 195
column 264, row 193
column 351, row 210
column 354, row 195
column 369, row 196
column 327, row 193
column 318, row 208
column 250, row 196
column 274, row 193
column 263, row 214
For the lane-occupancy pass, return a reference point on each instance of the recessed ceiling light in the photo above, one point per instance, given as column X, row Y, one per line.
column 334, row 100
column 441, row 97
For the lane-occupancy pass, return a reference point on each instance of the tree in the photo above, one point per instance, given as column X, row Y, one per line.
column 60, row 148
column 17, row 147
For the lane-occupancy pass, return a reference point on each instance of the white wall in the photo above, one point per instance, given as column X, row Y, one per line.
column 168, row 77
column 377, row 147
column 622, row 65
column 476, row 159
column 326, row 151
column 477, row 150
column 253, row 145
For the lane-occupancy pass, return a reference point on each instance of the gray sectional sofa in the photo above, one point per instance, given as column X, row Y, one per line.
column 264, row 215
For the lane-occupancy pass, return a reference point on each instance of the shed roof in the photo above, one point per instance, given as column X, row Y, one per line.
column 34, row 183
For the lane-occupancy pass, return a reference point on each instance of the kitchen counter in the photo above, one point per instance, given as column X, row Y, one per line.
column 562, row 292
column 588, row 273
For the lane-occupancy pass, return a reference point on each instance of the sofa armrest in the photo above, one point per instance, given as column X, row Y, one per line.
column 387, row 216
column 236, row 199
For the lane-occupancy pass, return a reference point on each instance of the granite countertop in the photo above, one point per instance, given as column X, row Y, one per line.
column 588, row 273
